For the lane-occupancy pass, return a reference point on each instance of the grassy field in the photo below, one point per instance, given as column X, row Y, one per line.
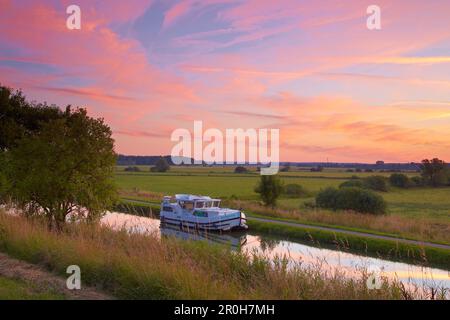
column 146, row 267
column 13, row 289
column 417, row 213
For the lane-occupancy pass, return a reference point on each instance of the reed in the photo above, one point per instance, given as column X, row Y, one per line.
column 136, row 266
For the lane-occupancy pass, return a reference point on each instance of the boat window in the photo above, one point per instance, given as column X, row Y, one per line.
column 168, row 209
column 201, row 214
column 188, row 205
column 199, row 204
column 216, row 204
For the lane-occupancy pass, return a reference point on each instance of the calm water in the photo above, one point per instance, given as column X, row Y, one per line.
column 329, row 260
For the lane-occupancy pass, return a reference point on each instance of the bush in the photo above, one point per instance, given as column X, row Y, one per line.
column 285, row 169
column 400, row 180
column 132, row 169
column 161, row 165
column 377, row 183
column 295, row 190
column 355, row 199
column 354, row 183
column 240, row 169
column 327, row 198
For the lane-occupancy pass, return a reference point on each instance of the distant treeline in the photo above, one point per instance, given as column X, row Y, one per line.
column 125, row 160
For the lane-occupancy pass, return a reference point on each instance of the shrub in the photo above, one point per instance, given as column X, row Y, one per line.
column 285, row 169
column 295, row 190
column 355, row 199
column 132, row 169
column 353, row 183
column 400, row 180
column 327, row 198
column 161, row 165
column 240, row 169
column 377, row 183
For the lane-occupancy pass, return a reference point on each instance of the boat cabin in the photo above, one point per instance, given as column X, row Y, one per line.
column 191, row 202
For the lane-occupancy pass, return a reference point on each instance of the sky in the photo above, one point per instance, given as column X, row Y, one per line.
column 336, row 90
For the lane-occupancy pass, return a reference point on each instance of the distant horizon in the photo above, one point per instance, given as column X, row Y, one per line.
column 294, row 162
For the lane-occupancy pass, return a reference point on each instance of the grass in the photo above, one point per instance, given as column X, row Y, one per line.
column 419, row 228
column 14, row 289
column 385, row 249
column 416, row 213
column 148, row 267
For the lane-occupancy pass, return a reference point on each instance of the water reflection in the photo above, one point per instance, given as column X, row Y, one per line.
column 329, row 260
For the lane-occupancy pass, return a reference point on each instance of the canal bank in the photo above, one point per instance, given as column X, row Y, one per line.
column 370, row 244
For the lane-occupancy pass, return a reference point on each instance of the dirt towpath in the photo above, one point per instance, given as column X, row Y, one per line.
column 40, row 278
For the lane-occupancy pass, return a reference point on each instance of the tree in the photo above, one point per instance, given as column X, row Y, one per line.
column 20, row 118
column 435, row 172
column 161, row 165
column 64, row 170
column 269, row 188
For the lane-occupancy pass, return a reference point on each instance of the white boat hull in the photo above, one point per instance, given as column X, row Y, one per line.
column 229, row 224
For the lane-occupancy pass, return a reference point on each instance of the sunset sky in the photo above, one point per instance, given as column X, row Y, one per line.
column 335, row 89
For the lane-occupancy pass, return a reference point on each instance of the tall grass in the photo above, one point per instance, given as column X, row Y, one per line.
column 424, row 229
column 137, row 266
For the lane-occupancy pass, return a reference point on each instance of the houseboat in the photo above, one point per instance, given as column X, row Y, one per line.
column 200, row 212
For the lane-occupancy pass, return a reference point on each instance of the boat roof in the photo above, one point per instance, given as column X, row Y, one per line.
column 191, row 197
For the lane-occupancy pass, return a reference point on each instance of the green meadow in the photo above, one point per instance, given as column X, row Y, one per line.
column 223, row 183
column 419, row 213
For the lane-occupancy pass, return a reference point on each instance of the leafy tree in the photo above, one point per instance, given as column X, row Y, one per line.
column 435, row 172
column 64, row 170
column 20, row 118
column 269, row 188
column 400, row 180
column 161, row 165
